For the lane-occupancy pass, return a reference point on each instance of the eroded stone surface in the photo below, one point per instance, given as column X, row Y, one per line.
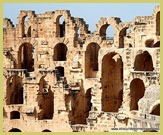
column 57, row 79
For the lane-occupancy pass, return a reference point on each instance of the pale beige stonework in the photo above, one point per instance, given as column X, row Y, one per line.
column 57, row 79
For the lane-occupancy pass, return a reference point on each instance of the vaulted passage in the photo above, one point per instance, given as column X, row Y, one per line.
column 15, row 130
column 137, row 90
column 14, row 91
column 14, row 115
column 143, row 62
column 60, row 52
column 112, row 82
column 91, row 60
column 26, row 57
column 45, row 100
column 156, row 110
column 60, row 29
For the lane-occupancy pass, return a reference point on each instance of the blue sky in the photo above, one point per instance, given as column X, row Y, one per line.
column 91, row 12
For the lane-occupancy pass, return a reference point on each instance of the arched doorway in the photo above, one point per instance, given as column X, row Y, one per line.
column 14, row 94
column 122, row 34
column 45, row 100
column 60, row 52
column 137, row 90
column 15, row 130
column 143, row 62
column 91, row 60
column 60, row 26
column 14, row 115
column 112, row 82
column 26, row 57
column 156, row 110
column 107, row 32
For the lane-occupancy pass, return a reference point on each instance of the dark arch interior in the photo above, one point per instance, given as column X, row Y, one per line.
column 26, row 57
column 122, row 34
column 45, row 100
column 14, row 94
column 112, row 82
column 143, row 62
column 137, row 90
column 156, row 110
column 91, row 60
column 46, row 130
column 15, row 130
column 14, row 115
column 60, row 52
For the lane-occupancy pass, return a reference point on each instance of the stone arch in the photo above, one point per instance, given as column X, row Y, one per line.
column 87, row 103
column 45, row 100
column 26, row 30
column 14, row 94
column 158, row 23
column 14, row 115
column 46, row 130
column 112, row 82
column 26, row 57
column 60, row 52
column 149, row 42
column 143, row 62
column 137, row 90
column 103, row 31
column 157, row 44
column 91, row 60
column 122, row 34
column 155, row 109
column 60, row 28
column 15, row 130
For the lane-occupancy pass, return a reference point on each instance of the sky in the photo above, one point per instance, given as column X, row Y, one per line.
column 91, row 12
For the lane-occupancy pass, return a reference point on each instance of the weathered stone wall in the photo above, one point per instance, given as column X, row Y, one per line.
column 59, row 79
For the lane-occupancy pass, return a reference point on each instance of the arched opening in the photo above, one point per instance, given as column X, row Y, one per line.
column 60, row 71
column 60, row 23
column 112, row 82
column 14, row 90
column 88, row 104
column 122, row 34
column 15, row 130
column 107, row 32
column 156, row 110
column 137, row 90
column 157, row 44
column 46, row 130
column 91, row 60
column 14, row 115
column 45, row 100
column 149, row 43
column 26, row 29
column 158, row 24
column 143, row 62
column 60, row 52
column 26, row 57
